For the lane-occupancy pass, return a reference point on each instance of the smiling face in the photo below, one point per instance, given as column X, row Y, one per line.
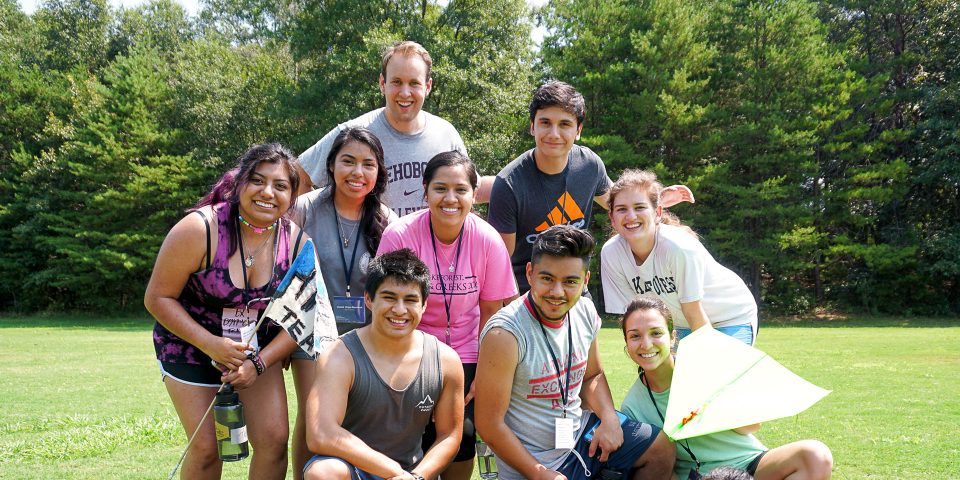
column 396, row 308
column 405, row 86
column 355, row 171
column 266, row 194
column 633, row 215
column 554, row 130
column 648, row 338
column 450, row 197
column 556, row 284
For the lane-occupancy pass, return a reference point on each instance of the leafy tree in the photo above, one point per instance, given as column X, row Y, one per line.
column 878, row 189
column 75, row 33
column 161, row 24
column 100, row 200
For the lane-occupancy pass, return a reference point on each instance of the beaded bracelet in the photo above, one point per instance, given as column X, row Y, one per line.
column 257, row 362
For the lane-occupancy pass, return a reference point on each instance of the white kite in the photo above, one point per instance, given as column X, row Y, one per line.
column 720, row 383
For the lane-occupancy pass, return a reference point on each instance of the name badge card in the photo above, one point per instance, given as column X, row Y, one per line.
column 349, row 310
column 238, row 325
column 563, row 433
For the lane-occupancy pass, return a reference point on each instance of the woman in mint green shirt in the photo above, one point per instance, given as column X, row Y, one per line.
column 648, row 332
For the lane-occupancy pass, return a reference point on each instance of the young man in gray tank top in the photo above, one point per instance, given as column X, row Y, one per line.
column 539, row 368
column 377, row 387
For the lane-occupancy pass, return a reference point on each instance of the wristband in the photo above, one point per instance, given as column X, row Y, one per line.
column 257, row 363
column 416, row 476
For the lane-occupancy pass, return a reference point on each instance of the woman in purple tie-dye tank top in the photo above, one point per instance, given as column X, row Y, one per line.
column 213, row 268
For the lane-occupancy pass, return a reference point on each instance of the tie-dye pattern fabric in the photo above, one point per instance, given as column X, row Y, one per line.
column 209, row 291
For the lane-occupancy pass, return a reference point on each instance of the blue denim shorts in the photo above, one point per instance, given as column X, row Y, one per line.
column 637, row 438
column 355, row 473
column 744, row 333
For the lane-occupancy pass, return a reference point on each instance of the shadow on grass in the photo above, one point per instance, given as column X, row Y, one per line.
column 80, row 321
column 836, row 321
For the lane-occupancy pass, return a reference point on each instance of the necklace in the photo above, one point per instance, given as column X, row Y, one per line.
column 437, row 253
column 345, row 237
column 249, row 260
column 452, row 263
column 256, row 229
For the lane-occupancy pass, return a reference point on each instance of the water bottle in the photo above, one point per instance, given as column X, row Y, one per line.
column 230, row 426
column 486, row 462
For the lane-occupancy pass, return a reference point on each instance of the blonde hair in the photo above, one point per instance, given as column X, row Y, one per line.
column 406, row 48
column 645, row 180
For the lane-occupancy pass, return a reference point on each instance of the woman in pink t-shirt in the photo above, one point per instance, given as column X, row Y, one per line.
column 470, row 273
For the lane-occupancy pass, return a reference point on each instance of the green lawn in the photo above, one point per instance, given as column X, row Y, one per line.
column 83, row 398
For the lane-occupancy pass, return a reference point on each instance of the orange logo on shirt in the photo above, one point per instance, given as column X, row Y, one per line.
column 567, row 204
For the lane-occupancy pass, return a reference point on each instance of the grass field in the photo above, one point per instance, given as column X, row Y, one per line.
column 82, row 397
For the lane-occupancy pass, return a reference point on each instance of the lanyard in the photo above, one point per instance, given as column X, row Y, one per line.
column 243, row 267
column 348, row 272
column 685, row 445
column 456, row 261
column 556, row 361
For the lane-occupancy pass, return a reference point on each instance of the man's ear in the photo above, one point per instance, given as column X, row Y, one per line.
column 529, row 273
column 367, row 301
column 579, row 130
column 383, row 84
column 429, row 86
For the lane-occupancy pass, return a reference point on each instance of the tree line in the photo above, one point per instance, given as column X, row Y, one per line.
column 820, row 138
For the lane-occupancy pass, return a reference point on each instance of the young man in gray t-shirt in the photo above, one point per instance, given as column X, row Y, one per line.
column 539, row 365
column 409, row 135
column 555, row 183
column 377, row 387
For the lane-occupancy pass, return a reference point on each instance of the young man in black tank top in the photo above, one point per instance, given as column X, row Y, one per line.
column 377, row 387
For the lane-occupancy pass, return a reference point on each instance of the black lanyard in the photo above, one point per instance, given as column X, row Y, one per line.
column 348, row 272
column 456, row 261
column 553, row 356
column 685, row 445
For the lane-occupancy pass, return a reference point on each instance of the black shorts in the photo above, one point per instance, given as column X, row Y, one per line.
column 468, row 443
column 190, row 374
column 752, row 468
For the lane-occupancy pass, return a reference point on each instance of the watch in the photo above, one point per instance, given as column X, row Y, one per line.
column 416, row 476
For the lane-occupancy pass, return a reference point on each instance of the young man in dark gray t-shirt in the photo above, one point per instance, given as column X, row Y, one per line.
column 378, row 386
column 554, row 183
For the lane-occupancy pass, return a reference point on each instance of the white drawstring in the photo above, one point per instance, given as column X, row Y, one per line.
column 586, row 471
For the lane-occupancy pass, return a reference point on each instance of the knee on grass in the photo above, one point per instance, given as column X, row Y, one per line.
column 816, row 458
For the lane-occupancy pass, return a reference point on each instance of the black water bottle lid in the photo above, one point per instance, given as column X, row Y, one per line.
column 227, row 396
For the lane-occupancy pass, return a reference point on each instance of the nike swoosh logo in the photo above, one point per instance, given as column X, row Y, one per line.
column 405, row 193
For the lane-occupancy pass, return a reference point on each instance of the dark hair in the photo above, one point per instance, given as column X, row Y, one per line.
column 563, row 241
column 228, row 187
column 408, row 49
column 374, row 219
column 646, row 303
column 728, row 473
column 558, row 94
column 403, row 266
column 450, row 159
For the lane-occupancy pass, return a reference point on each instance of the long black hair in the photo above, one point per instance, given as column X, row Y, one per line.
column 228, row 187
column 374, row 219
